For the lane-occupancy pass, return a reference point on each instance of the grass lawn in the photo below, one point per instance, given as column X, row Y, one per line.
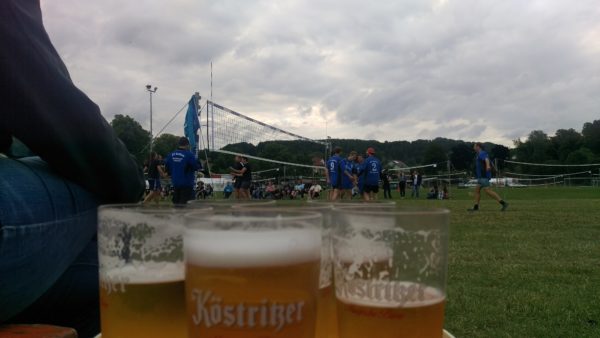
column 532, row 271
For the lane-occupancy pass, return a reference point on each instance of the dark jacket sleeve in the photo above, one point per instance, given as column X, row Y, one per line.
column 41, row 106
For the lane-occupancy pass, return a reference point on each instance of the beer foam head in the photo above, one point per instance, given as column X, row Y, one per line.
column 388, row 294
column 257, row 237
column 250, row 249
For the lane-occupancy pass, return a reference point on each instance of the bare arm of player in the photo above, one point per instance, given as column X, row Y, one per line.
column 241, row 172
column 161, row 171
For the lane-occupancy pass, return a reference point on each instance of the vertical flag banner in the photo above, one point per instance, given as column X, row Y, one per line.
column 191, row 125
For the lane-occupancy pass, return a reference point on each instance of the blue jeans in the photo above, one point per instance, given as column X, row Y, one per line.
column 48, row 251
column 415, row 191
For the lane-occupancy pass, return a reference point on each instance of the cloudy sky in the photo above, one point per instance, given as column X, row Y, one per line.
column 387, row 70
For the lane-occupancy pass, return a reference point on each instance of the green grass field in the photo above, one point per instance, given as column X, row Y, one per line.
column 532, row 271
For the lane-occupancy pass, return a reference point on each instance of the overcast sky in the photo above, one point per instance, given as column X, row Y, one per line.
column 387, row 70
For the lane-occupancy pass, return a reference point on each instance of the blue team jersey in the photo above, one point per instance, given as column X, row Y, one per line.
column 372, row 171
column 360, row 173
column 480, row 171
column 347, row 167
column 334, row 170
column 182, row 165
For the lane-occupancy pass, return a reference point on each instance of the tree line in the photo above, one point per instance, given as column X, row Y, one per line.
column 567, row 146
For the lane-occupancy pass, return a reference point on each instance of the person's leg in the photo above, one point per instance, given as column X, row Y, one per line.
column 477, row 194
column 45, row 225
column 492, row 194
column 495, row 196
column 70, row 301
column 150, row 194
column 367, row 193
column 176, row 196
column 335, row 194
column 187, row 194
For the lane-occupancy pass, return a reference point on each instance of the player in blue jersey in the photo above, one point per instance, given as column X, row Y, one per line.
column 348, row 178
column 334, row 173
column 372, row 172
column 182, row 166
column 483, row 173
column 359, row 174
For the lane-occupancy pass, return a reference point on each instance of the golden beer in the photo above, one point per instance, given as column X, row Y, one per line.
column 252, row 284
column 144, row 310
column 419, row 314
column 327, row 313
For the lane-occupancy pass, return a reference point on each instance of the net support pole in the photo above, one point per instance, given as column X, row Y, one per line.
column 449, row 177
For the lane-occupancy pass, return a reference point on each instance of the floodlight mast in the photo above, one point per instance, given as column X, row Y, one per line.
column 151, row 91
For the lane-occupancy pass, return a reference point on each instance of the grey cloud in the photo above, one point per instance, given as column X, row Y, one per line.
column 506, row 67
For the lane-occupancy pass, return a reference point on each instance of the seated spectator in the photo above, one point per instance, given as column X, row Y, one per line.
column 445, row 194
column 200, row 193
column 270, row 190
column 432, row 194
column 208, row 191
column 314, row 191
column 228, row 190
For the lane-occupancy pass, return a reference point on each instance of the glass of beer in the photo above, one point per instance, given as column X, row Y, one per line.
column 141, row 271
column 252, row 273
column 326, row 311
column 390, row 271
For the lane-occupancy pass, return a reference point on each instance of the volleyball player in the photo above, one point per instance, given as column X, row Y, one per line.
column 334, row 173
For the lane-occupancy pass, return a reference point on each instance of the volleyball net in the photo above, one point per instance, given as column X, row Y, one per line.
column 524, row 174
column 228, row 133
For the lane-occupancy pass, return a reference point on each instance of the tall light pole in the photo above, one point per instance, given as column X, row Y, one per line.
column 151, row 91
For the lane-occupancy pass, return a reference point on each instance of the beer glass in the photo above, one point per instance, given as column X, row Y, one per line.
column 252, row 273
column 141, row 271
column 326, row 310
column 390, row 272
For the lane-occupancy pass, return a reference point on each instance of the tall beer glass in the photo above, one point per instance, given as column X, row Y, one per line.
column 141, row 271
column 326, row 310
column 390, row 272
column 252, row 273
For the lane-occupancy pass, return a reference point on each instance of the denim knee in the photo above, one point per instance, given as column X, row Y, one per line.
column 45, row 223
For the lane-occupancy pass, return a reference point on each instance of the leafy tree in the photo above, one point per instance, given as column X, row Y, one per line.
column 461, row 156
column 135, row 138
column 591, row 136
column 565, row 142
column 434, row 153
column 500, row 153
column 581, row 156
column 165, row 144
column 537, row 148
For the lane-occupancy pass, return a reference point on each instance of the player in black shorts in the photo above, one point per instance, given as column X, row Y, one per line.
column 235, row 170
